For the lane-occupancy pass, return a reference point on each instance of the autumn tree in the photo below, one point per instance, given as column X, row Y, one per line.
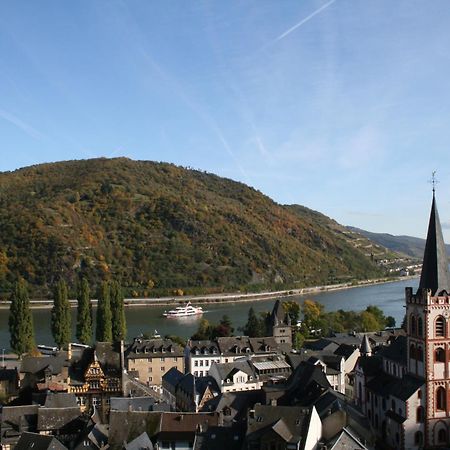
column 20, row 320
column 119, row 328
column 60, row 315
column 103, row 332
column 84, row 313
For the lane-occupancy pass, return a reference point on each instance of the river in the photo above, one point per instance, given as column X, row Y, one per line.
column 390, row 297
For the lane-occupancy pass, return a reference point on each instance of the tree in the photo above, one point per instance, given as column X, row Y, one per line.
column 20, row 320
column 312, row 314
column 390, row 322
column 84, row 313
column 369, row 322
column 222, row 329
column 119, row 328
column 60, row 316
column 299, row 339
column 203, row 331
column 293, row 309
column 103, row 332
column 254, row 326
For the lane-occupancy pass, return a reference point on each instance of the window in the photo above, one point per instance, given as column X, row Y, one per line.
column 419, row 353
column 393, row 405
column 412, row 351
column 419, row 394
column 163, row 369
column 175, row 359
column 420, row 326
column 149, row 370
column 161, row 359
column 150, row 379
column 196, row 363
column 419, row 414
column 201, row 363
column 442, row 436
column 412, row 325
column 440, row 326
column 418, row 438
column 441, row 403
column 439, row 355
column 96, row 401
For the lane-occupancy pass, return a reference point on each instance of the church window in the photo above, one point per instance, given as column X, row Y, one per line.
column 412, row 351
column 420, row 327
column 413, row 328
column 440, row 326
column 419, row 414
column 440, row 399
column 442, row 436
column 439, row 355
column 419, row 353
column 418, row 438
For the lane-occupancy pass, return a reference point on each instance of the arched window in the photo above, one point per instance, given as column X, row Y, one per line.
column 419, row 414
column 420, row 326
column 439, row 355
column 419, row 353
column 441, row 402
column 440, row 326
column 442, row 436
column 412, row 351
column 418, row 438
column 412, row 326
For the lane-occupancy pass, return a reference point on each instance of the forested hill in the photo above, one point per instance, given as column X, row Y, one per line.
column 159, row 227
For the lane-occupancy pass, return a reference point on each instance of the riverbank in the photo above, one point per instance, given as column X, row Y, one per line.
column 224, row 298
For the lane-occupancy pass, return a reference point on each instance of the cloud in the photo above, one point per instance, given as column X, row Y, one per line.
column 27, row 129
column 303, row 21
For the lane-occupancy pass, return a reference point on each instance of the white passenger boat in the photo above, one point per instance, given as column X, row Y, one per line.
column 184, row 311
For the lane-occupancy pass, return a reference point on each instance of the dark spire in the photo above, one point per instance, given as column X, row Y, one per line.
column 435, row 274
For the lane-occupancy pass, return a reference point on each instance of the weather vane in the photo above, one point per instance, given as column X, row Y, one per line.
column 433, row 180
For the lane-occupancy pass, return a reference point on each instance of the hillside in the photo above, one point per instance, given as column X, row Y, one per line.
column 407, row 245
column 158, row 226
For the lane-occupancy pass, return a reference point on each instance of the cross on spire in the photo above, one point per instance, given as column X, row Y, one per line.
column 434, row 181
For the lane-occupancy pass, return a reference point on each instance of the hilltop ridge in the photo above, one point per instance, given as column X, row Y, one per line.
column 157, row 226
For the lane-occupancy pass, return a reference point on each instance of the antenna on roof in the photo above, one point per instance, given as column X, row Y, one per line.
column 433, row 181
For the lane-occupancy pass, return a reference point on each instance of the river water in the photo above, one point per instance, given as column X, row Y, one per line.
column 390, row 297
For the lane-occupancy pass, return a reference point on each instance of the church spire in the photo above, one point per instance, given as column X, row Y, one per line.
column 435, row 275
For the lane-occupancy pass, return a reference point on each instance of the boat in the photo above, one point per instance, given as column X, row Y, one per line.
column 184, row 311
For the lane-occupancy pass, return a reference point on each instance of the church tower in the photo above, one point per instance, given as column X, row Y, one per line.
column 428, row 336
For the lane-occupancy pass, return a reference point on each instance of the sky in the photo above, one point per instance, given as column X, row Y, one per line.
column 339, row 105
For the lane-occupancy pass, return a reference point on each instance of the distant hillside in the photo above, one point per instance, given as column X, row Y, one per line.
column 354, row 237
column 158, row 226
column 408, row 245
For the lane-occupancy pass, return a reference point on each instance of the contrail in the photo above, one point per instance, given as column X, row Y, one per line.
column 303, row 21
column 11, row 118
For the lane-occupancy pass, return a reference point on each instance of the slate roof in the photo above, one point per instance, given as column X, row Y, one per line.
column 387, row 385
column 108, row 355
column 205, row 347
column 14, row 418
column 220, row 438
column 234, row 405
column 306, row 384
column 329, row 402
column 153, row 348
column 182, row 426
column 345, row 350
column 188, row 382
column 371, row 365
column 137, row 404
column 321, row 344
column 171, row 378
column 226, row 370
column 279, row 316
column 396, row 351
column 345, row 441
column 60, row 400
column 234, row 344
column 289, row 422
column 35, row 364
column 142, row 442
column 34, row 441
column 435, row 274
column 56, row 418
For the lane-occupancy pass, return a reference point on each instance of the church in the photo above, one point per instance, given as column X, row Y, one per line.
column 404, row 388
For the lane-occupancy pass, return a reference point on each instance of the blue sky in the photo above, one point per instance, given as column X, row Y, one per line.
column 342, row 106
